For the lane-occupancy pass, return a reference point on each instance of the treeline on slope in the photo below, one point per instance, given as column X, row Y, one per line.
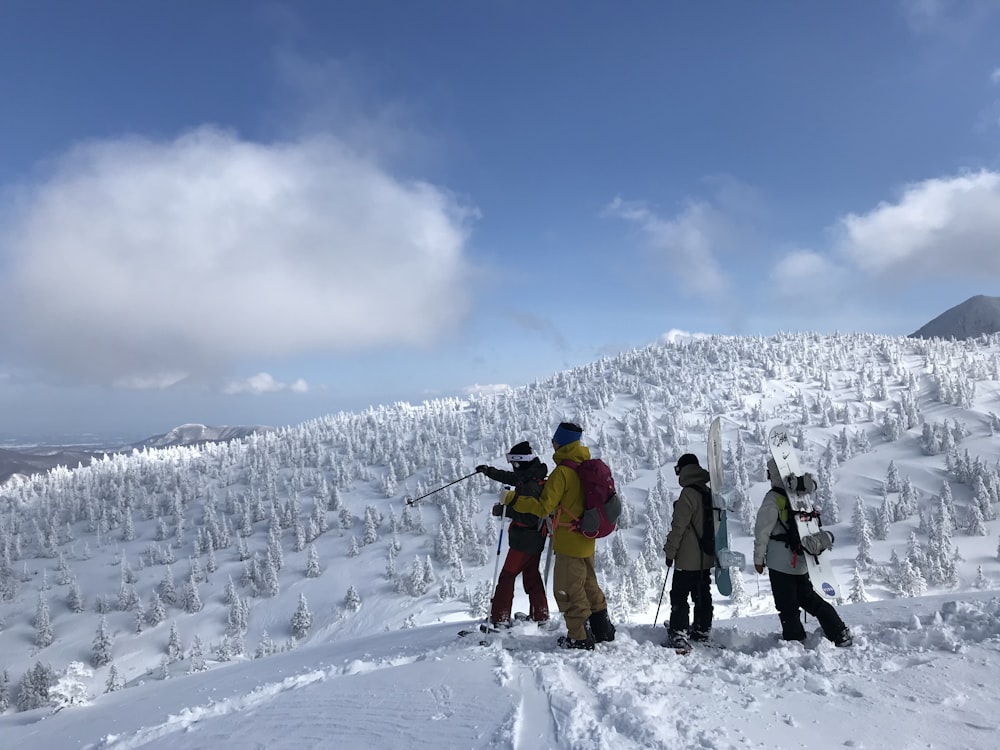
column 240, row 507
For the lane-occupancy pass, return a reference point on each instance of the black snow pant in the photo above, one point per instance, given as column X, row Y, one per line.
column 792, row 592
column 695, row 584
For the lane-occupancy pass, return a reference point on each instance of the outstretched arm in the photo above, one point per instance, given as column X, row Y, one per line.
column 498, row 475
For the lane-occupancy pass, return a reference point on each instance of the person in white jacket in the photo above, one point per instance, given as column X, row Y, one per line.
column 786, row 567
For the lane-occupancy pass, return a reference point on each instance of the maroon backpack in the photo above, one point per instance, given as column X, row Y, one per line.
column 601, row 504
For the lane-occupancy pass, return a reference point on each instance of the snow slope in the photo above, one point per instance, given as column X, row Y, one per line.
column 318, row 512
column 921, row 675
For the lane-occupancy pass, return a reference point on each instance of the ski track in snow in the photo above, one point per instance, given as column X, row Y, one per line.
column 746, row 690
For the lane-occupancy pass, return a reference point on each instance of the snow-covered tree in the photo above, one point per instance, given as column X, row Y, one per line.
column 862, row 531
column 33, row 691
column 175, row 651
column 103, row 643
column 911, row 581
column 265, row 646
column 74, row 597
column 857, row 593
column 196, row 656
column 883, row 518
column 4, row 691
column 352, row 602
column 168, row 592
column 313, row 568
column 70, row 689
column 43, row 625
column 977, row 524
column 301, row 619
column 115, row 681
column 740, row 597
column 892, row 482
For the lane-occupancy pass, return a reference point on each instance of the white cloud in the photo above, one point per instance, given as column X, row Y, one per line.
column 688, row 242
column 264, row 383
column 807, row 275
column 946, row 226
column 995, row 76
column 138, row 261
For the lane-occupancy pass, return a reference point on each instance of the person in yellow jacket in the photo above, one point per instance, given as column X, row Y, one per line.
column 577, row 593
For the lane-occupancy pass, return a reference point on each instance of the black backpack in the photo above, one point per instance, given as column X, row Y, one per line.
column 789, row 529
column 816, row 543
column 707, row 540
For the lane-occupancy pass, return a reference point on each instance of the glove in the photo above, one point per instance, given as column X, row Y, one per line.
column 670, row 563
column 497, row 509
column 816, row 543
column 759, row 567
column 482, row 468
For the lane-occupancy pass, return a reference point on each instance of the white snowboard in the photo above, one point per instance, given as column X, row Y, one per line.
column 723, row 577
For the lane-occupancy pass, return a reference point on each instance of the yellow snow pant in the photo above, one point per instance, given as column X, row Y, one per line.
column 577, row 592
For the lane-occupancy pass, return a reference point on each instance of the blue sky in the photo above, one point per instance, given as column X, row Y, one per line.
column 241, row 213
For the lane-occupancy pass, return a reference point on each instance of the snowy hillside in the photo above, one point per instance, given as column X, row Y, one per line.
column 262, row 558
column 922, row 674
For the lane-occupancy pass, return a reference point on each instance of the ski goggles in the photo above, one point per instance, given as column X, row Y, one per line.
column 517, row 458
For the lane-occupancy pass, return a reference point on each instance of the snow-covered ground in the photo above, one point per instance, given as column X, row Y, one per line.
column 922, row 674
column 252, row 528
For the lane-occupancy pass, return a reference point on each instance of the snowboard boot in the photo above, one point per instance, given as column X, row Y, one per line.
column 495, row 627
column 677, row 639
column 844, row 639
column 566, row 642
column 700, row 635
column 601, row 627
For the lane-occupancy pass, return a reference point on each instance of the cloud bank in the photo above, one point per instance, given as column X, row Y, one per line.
column 142, row 263
column 263, row 382
column 689, row 242
column 939, row 227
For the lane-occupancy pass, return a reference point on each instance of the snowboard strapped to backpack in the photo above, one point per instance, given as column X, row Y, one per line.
column 601, row 504
column 813, row 544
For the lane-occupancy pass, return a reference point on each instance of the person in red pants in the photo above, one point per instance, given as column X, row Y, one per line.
column 526, row 535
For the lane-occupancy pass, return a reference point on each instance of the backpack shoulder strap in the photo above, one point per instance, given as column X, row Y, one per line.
column 706, row 504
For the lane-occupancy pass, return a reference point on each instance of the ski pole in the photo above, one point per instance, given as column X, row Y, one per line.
column 411, row 501
column 496, row 565
column 660, row 603
column 548, row 555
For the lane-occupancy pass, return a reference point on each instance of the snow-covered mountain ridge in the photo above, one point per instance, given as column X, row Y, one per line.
column 37, row 459
column 244, row 532
column 977, row 316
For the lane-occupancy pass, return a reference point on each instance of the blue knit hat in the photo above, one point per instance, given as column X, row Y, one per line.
column 566, row 433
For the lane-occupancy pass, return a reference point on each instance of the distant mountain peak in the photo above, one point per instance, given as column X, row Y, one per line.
column 196, row 434
column 977, row 316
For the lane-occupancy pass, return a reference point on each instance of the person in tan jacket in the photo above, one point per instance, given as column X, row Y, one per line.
column 692, row 576
column 574, row 582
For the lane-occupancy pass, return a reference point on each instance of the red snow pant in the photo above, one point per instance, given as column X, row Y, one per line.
column 525, row 565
